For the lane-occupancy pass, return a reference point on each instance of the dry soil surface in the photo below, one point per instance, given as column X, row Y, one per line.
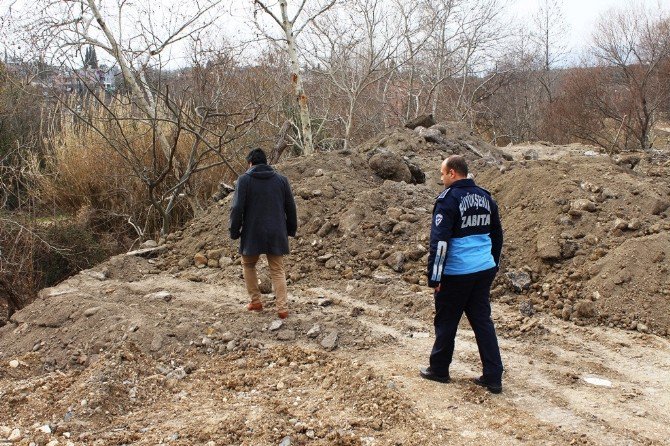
column 121, row 366
column 161, row 350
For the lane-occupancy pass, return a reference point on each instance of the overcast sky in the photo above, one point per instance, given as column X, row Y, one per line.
column 580, row 15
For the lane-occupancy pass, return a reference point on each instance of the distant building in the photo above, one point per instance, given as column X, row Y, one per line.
column 62, row 79
column 104, row 77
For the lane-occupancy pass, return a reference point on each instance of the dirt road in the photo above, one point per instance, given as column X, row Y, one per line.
column 198, row 369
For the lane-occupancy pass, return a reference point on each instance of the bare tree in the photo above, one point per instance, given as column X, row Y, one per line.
column 291, row 30
column 549, row 35
column 482, row 32
column 443, row 43
column 353, row 48
column 415, row 25
column 138, row 37
column 516, row 109
column 634, row 43
column 463, row 45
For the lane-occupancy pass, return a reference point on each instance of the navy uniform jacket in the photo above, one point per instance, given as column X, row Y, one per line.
column 263, row 212
column 465, row 236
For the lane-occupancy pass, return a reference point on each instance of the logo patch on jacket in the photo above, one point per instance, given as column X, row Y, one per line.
column 438, row 219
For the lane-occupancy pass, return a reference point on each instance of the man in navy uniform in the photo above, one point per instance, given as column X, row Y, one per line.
column 465, row 243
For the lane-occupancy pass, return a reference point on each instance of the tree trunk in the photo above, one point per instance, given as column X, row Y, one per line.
column 144, row 97
column 410, row 87
column 347, row 127
column 280, row 144
column 13, row 300
column 296, row 79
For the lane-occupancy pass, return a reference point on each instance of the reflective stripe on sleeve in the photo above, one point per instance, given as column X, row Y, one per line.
column 438, row 263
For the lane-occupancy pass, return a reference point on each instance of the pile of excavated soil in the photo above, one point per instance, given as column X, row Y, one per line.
column 162, row 350
column 125, row 300
column 115, row 355
column 353, row 224
column 256, row 396
column 564, row 219
column 593, row 237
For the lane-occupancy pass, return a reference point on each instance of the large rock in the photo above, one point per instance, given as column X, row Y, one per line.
column 569, row 249
column 520, row 280
column 15, row 435
column 396, row 261
column 530, row 154
column 628, row 161
column 199, row 259
column 659, row 207
column 583, row 204
column 314, row 331
column 548, row 247
column 620, row 224
column 159, row 295
column 286, row 335
column 431, row 135
column 264, row 284
column 223, row 191
column 330, row 341
column 325, row 229
column 214, row 253
column 91, row 311
column 423, row 121
column 389, row 166
column 276, row 325
column 150, row 244
column 351, row 219
column 586, row 309
column 418, row 176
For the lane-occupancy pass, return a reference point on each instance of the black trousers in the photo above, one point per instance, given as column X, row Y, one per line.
column 468, row 293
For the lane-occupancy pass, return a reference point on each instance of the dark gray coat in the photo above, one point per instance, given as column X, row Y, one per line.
column 263, row 212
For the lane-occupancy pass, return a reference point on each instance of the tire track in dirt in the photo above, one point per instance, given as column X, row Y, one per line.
column 545, row 401
column 544, row 387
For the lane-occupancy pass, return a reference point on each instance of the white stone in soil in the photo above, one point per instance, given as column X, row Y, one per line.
column 600, row 382
column 276, row 325
column 15, row 435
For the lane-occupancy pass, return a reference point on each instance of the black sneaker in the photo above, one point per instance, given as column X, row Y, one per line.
column 491, row 387
column 427, row 373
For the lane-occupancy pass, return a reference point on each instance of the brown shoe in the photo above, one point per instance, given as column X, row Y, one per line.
column 282, row 314
column 255, row 306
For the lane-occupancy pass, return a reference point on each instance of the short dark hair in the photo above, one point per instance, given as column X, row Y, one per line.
column 257, row 156
column 457, row 162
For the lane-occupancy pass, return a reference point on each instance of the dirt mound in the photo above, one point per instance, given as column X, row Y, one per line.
column 127, row 300
column 250, row 397
column 161, row 350
column 564, row 217
column 353, row 224
column 592, row 235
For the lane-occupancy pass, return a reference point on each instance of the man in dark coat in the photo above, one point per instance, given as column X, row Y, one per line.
column 263, row 215
column 466, row 240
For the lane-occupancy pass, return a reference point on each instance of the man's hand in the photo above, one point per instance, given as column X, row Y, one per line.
column 438, row 287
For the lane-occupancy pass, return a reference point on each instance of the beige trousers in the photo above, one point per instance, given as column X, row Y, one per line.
column 277, row 275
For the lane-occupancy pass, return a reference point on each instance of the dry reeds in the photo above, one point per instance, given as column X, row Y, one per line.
column 105, row 157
